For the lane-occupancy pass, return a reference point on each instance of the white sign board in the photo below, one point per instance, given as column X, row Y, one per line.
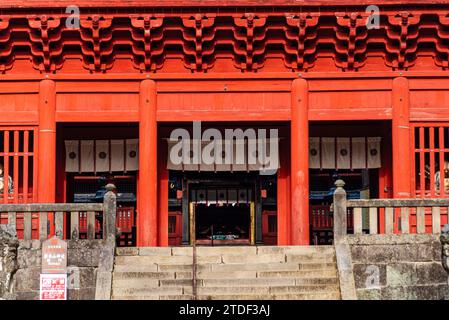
column 53, row 287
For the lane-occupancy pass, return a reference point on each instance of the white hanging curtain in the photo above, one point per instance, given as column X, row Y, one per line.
column 373, row 150
column 328, row 153
column 87, row 156
column 240, row 159
column 132, row 155
column 344, row 153
column 170, row 164
column 208, row 166
column 226, row 149
column 192, row 164
column 101, row 155
column 117, row 155
column 262, row 158
column 359, row 152
column 314, row 154
column 72, row 159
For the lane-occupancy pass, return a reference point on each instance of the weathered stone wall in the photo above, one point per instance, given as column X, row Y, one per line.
column 8, row 261
column 398, row 267
column 83, row 259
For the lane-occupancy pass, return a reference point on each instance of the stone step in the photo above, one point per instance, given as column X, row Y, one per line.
column 154, row 297
column 226, row 275
column 147, row 291
column 263, row 289
column 128, row 297
column 315, row 288
column 181, row 267
column 320, row 280
column 317, row 265
column 310, row 258
column 298, row 296
column 143, row 275
column 295, row 250
column 226, row 259
column 247, row 282
column 135, row 283
column 298, row 274
column 271, row 266
column 231, row 273
column 208, row 250
column 260, row 258
column 227, row 267
column 226, row 250
column 152, row 259
column 228, row 290
column 148, row 260
column 178, row 283
column 266, row 282
column 137, row 268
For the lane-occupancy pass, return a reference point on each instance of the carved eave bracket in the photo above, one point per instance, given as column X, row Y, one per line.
column 199, row 35
column 302, row 31
column 442, row 42
column 350, row 46
column 402, row 44
column 250, row 41
column 204, row 42
column 97, row 46
column 45, row 35
column 147, row 46
column 6, row 46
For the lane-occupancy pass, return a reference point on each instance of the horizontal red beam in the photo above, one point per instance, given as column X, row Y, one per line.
column 224, row 75
column 205, row 3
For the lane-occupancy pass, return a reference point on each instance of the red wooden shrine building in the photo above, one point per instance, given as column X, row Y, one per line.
column 83, row 105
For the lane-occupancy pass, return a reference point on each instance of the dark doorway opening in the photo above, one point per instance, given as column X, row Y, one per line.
column 226, row 224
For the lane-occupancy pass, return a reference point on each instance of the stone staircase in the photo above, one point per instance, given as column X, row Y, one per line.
column 226, row 273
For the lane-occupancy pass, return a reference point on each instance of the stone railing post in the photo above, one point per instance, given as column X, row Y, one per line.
column 109, row 213
column 340, row 211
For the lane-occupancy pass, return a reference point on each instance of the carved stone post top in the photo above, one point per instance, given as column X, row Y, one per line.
column 339, row 183
column 110, row 187
column 339, row 190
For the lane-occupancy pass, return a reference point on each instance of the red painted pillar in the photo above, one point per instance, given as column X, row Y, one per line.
column 46, row 153
column 147, row 221
column 46, row 157
column 401, row 139
column 299, row 185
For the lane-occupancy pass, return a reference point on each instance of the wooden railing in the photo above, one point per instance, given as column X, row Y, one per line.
column 396, row 214
column 63, row 214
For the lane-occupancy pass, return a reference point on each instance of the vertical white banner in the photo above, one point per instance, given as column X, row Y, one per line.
column 72, row 156
column 358, row 153
column 328, row 153
column 132, row 155
column 87, row 156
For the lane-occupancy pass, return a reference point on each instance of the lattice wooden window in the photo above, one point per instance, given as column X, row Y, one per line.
column 431, row 160
column 17, row 156
column 430, row 177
